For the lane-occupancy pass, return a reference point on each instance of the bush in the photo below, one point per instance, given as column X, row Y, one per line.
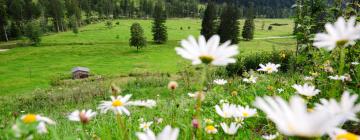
column 33, row 32
column 244, row 64
column 109, row 24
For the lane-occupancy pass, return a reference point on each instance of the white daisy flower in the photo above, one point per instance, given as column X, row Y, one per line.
column 308, row 78
column 244, row 112
column 210, row 129
column 280, row 90
column 346, row 109
column 117, row 105
column 168, row 133
column 232, row 129
column 144, row 103
column 342, row 34
column 145, row 126
column 355, row 63
column 342, row 78
column 32, row 118
column 251, row 79
column 197, row 95
column 269, row 67
column 293, row 118
column 84, row 116
column 210, row 52
column 220, row 81
column 306, row 90
column 270, row 136
column 226, row 111
column 341, row 134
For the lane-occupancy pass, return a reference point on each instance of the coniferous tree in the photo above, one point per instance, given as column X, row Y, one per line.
column 33, row 32
column 229, row 24
column 208, row 28
column 3, row 19
column 159, row 29
column 137, row 36
column 249, row 25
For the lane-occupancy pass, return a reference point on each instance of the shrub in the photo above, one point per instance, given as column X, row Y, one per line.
column 246, row 63
column 33, row 32
column 109, row 24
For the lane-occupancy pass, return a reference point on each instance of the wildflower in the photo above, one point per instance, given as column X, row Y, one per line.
column 355, row 63
column 33, row 118
column 306, row 90
column 234, row 93
column 230, row 130
column 145, row 126
column 293, row 119
column 341, row 34
column 308, row 78
column 280, row 90
column 117, row 105
column 195, row 123
column 346, row 109
column 172, row 85
column 210, row 129
column 159, row 120
column 144, row 103
column 168, row 133
column 227, row 110
column 343, row 78
column 270, row 136
column 244, row 112
column 208, row 121
column 269, row 67
column 197, row 95
column 210, row 52
column 340, row 134
column 251, row 79
column 83, row 116
column 220, row 81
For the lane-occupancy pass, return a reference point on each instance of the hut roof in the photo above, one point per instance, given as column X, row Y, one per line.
column 80, row 69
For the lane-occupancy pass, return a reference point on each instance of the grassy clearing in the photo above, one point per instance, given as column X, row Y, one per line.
column 106, row 52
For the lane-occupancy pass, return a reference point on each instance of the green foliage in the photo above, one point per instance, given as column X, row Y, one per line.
column 74, row 25
column 137, row 36
column 109, row 24
column 208, row 26
column 229, row 24
column 159, row 28
column 251, row 62
column 248, row 29
column 33, row 32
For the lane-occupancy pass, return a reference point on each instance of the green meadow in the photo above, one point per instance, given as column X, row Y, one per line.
column 107, row 53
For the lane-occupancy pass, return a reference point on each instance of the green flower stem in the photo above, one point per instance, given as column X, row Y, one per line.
column 121, row 126
column 199, row 102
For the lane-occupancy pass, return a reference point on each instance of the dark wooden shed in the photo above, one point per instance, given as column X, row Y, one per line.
column 80, row 72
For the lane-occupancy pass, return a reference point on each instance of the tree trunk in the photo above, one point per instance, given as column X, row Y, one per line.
column 6, row 37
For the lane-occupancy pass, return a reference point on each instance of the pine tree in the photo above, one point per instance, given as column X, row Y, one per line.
column 33, row 32
column 249, row 25
column 137, row 36
column 208, row 23
column 229, row 24
column 159, row 29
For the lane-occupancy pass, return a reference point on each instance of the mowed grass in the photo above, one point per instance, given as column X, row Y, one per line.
column 106, row 52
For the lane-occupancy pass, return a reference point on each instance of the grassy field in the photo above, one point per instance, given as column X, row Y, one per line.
column 106, row 52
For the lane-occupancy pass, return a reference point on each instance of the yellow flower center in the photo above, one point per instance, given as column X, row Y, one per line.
column 268, row 69
column 347, row 136
column 29, row 118
column 245, row 114
column 342, row 43
column 206, row 59
column 117, row 103
column 210, row 128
